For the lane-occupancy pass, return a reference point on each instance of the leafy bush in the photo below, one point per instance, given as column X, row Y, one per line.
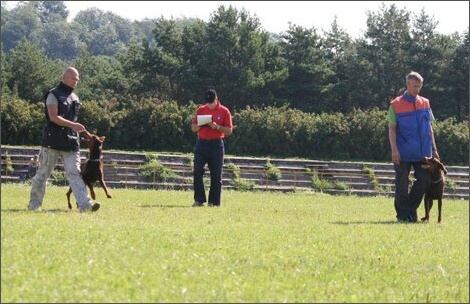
column 154, row 169
column 237, row 181
column 272, row 172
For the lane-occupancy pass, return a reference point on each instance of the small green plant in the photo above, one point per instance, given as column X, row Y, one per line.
column 59, row 178
column 244, row 185
column 189, row 161
column 319, row 183
column 341, row 185
column 373, row 178
column 237, row 181
column 272, row 172
column 235, row 170
column 451, row 184
column 154, row 169
column 8, row 164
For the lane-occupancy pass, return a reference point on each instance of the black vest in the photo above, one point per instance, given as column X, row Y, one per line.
column 58, row 137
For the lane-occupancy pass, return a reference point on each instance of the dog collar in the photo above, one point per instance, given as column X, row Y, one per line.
column 94, row 160
column 438, row 181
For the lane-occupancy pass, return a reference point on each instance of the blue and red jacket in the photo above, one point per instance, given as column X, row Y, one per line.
column 414, row 117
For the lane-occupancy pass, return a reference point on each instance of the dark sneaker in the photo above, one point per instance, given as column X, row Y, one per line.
column 33, row 206
column 414, row 216
column 95, row 207
column 403, row 219
column 408, row 219
column 213, row 205
column 92, row 207
column 198, row 204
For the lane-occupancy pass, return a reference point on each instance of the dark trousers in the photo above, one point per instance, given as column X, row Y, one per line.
column 210, row 152
column 407, row 203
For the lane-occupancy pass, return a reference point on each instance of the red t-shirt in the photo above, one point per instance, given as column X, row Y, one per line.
column 220, row 115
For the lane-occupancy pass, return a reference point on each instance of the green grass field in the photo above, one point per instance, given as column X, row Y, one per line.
column 152, row 246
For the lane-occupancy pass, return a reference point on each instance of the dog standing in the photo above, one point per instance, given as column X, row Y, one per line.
column 92, row 168
column 436, row 188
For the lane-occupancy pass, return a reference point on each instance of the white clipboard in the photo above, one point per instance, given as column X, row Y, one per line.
column 203, row 119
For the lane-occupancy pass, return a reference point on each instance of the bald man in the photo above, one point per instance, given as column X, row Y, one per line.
column 61, row 139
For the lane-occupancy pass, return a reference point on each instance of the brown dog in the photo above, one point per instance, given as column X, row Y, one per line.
column 92, row 168
column 436, row 188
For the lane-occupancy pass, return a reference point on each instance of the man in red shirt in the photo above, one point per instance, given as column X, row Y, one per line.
column 212, row 122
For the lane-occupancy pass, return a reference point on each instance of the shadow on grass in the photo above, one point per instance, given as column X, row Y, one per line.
column 374, row 223
column 38, row 211
column 164, row 206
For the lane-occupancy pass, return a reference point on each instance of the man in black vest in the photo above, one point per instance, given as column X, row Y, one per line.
column 61, row 139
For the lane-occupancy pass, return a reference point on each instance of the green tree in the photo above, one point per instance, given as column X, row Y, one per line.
column 453, row 101
column 192, row 80
column 21, row 23
column 139, row 68
column 101, row 78
column 21, row 121
column 34, row 73
column 308, row 69
column 51, row 11
column 340, row 52
column 168, row 57
column 104, row 33
column 234, row 56
column 385, row 47
column 6, row 75
column 61, row 40
column 431, row 54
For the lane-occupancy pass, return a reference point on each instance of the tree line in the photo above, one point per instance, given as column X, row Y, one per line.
column 124, row 64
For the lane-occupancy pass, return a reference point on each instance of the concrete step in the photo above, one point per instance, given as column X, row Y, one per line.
column 122, row 169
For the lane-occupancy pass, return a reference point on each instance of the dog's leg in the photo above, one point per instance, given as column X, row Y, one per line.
column 439, row 207
column 427, row 201
column 68, row 197
column 92, row 191
column 103, row 185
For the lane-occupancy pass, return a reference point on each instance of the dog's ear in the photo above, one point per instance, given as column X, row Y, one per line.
column 441, row 166
column 86, row 135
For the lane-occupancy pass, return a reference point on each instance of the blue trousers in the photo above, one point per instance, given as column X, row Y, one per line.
column 210, row 152
column 407, row 203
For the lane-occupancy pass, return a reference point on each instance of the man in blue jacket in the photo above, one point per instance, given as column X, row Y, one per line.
column 411, row 138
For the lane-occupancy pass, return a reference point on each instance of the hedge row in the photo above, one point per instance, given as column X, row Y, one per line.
column 152, row 125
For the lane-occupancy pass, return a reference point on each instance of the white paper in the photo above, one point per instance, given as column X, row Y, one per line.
column 203, row 119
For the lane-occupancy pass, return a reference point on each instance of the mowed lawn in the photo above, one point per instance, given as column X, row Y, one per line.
column 152, row 246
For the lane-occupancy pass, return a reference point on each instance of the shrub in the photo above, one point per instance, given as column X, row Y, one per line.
column 272, row 172
column 154, row 168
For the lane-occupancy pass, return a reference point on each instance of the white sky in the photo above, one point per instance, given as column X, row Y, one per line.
column 275, row 15
column 452, row 16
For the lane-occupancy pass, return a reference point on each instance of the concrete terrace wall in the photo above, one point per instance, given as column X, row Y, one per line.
column 122, row 170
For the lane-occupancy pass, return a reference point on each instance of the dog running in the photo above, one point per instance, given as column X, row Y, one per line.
column 436, row 188
column 92, row 168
